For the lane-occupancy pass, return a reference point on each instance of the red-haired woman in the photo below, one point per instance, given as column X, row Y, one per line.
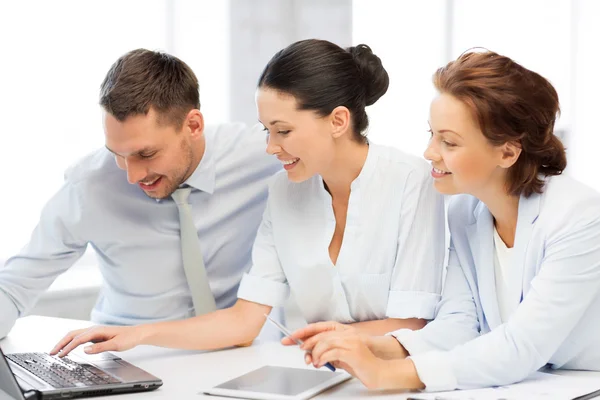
column 523, row 280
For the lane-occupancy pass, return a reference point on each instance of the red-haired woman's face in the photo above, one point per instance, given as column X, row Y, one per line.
column 463, row 160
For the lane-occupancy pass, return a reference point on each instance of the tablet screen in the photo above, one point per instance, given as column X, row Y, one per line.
column 282, row 381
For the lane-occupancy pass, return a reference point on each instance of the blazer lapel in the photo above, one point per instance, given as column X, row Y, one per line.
column 529, row 210
column 481, row 240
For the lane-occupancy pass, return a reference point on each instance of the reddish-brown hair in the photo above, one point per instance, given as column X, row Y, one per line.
column 511, row 104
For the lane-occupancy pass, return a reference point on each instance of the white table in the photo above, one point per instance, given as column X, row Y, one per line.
column 184, row 373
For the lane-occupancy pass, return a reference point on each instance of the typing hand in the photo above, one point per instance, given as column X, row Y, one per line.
column 104, row 338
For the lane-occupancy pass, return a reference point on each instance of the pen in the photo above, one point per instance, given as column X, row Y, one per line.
column 297, row 341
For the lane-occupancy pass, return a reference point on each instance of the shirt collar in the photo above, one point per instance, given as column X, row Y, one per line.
column 368, row 167
column 203, row 178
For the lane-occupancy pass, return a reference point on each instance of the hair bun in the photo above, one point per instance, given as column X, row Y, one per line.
column 374, row 77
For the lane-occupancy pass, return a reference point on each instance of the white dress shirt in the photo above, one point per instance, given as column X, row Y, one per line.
column 136, row 238
column 391, row 258
column 557, row 247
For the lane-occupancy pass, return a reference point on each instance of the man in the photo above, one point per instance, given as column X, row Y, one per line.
column 118, row 200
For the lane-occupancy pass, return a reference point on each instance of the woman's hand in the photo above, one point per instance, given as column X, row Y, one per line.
column 350, row 352
column 310, row 333
column 354, row 353
column 386, row 347
column 105, row 338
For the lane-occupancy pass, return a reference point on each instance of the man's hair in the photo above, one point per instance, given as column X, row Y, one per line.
column 141, row 80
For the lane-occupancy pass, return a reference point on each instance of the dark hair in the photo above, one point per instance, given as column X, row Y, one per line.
column 322, row 76
column 511, row 104
column 142, row 79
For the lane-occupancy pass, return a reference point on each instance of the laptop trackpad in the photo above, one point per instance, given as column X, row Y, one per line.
column 123, row 370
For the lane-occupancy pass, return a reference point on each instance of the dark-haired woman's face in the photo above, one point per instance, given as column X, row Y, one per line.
column 463, row 160
column 300, row 139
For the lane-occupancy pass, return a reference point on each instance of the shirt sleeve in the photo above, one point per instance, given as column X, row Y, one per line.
column 54, row 246
column 266, row 282
column 566, row 285
column 456, row 320
column 417, row 276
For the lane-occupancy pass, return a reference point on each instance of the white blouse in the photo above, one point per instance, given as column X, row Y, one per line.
column 508, row 277
column 391, row 259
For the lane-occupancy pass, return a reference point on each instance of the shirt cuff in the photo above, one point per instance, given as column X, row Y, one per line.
column 435, row 371
column 412, row 305
column 263, row 291
column 8, row 315
column 412, row 341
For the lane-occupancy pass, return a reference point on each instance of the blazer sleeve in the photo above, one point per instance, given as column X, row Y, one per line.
column 566, row 284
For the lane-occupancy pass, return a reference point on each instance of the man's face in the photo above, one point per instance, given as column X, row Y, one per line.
column 157, row 157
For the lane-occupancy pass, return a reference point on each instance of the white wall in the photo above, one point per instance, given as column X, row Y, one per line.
column 583, row 145
column 409, row 39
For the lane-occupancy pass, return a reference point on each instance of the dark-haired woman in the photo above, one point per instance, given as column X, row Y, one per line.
column 354, row 230
column 523, row 280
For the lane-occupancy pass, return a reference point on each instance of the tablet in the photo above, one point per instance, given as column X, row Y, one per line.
column 279, row 383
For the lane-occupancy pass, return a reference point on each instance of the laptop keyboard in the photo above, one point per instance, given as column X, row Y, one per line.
column 61, row 372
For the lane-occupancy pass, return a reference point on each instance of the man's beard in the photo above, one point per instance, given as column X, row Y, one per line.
column 179, row 177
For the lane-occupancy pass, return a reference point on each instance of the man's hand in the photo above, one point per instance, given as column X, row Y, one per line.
column 105, row 338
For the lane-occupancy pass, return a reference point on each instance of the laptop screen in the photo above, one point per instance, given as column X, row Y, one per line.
column 8, row 383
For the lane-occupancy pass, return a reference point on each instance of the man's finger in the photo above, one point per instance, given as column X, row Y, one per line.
column 65, row 340
column 101, row 347
column 89, row 336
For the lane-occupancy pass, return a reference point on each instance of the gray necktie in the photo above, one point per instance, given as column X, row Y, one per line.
column 193, row 264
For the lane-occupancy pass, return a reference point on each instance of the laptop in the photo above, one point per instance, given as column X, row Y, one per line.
column 41, row 376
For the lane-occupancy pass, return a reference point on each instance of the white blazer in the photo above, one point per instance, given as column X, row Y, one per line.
column 557, row 246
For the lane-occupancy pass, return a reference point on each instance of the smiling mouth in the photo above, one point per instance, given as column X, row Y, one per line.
column 290, row 162
column 150, row 183
column 439, row 171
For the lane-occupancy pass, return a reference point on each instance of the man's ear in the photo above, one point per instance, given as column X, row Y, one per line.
column 340, row 121
column 194, row 122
